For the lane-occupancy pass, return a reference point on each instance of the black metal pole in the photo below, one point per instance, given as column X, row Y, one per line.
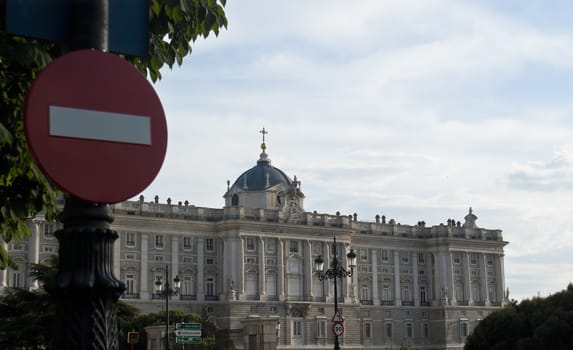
column 335, row 268
column 167, row 293
column 86, row 291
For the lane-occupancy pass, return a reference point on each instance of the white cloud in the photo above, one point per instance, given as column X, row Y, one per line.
column 554, row 175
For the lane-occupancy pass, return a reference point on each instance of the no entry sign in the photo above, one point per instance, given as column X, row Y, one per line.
column 96, row 126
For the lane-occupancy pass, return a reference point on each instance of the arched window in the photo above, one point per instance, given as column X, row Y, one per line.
column 235, row 199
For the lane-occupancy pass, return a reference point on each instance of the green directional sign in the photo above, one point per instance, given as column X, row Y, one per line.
column 188, row 326
column 188, row 340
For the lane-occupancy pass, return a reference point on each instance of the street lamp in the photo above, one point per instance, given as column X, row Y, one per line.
column 167, row 291
column 332, row 273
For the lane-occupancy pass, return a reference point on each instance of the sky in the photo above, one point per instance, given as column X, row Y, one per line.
column 415, row 110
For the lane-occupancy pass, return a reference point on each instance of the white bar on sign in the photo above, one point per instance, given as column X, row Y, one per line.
column 188, row 332
column 97, row 125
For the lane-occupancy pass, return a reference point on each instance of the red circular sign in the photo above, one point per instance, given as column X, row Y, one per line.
column 96, row 126
column 337, row 329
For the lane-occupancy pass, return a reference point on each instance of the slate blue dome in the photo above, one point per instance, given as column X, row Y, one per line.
column 261, row 176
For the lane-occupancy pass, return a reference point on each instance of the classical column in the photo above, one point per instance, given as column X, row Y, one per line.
column 468, row 279
column 397, row 294
column 443, row 276
column 307, row 266
column 416, row 293
column 200, row 269
column 241, row 281
column 329, row 291
column 174, row 260
column 281, row 270
column 452, row 279
column 34, row 249
column 483, row 279
column 262, row 267
column 350, row 288
column 144, row 270
column 374, row 265
column 501, row 280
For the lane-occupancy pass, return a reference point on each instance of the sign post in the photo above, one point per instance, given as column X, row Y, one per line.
column 86, row 287
column 188, row 333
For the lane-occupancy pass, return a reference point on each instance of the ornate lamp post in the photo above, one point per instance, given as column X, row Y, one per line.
column 167, row 291
column 336, row 271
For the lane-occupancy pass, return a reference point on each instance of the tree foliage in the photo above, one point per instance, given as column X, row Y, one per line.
column 538, row 323
column 27, row 318
column 24, row 190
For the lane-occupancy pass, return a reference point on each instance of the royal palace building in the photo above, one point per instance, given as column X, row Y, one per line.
column 249, row 265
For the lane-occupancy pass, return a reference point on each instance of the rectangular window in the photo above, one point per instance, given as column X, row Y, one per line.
column 365, row 293
column 187, row 243
column 386, row 294
column 15, row 279
column 49, row 230
column 250, row 244
column 209, row 245
column 49, row 249
column 409, row 330
column 367, row 330
column 473, row 259
column 250, row 260
column 385, row 256
column 405, row 257
column 130, row 239
column 210, row 287
column 187, row 286
column 489, row 260
column 297, row 328
column 464, row 329
column 293, row 247
column 129, row 256
column 364, row 254
column 159, row 242
column 130, row 283
column 270, row 246
column 388, row 330
column 421, row 258
column 320, row 329
column 457, row 258
column 425, row 330
column 209, row 261
column 159, row 258
column 406, row 293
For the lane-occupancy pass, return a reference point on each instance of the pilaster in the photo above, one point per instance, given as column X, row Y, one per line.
column 397, row 281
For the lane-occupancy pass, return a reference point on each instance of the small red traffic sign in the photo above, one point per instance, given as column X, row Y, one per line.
column 338, row 318
column 132, row 337
column 337, row 329
column 96, row 126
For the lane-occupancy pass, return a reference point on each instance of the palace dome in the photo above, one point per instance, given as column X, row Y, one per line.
column 261, row 176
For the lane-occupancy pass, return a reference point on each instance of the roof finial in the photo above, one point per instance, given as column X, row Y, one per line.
column 263, row 145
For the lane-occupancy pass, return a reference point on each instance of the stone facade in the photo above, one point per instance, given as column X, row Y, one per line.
column 426, row 286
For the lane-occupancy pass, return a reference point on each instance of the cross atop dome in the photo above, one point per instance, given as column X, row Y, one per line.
column 263, row 145
column 264, row 157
